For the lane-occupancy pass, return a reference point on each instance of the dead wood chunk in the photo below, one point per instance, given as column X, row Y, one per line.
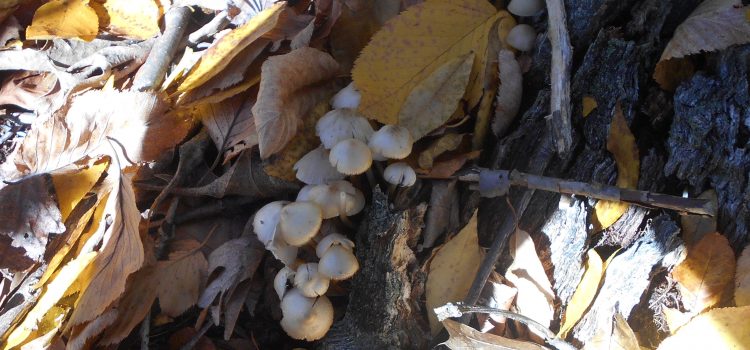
column 566, row 231
column 384, row 310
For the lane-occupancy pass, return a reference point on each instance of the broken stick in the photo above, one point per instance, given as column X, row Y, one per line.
column 559, row 119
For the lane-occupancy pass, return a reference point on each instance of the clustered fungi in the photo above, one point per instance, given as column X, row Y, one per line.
column 522, row 36
column 348, row 147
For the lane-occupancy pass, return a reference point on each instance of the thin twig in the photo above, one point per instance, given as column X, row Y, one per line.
column 217, row 24
column 560, row 77
column 152, row 73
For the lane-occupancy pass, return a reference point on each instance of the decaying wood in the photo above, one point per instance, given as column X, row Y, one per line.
column 384, row 309
column 560, row 76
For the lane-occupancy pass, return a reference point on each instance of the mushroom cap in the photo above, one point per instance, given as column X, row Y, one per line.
column 309, row 281
column 281, row 281
column 331, row 240
column 347, row 97
column 336, row 197
column 299, row 222
column 304, row 193
column 391, row 141
column 306, row 318
column 400, row 174
column 265, row 221
column 341, row 124
column 350, row 157
column 282, row 250
column 525, row 8
column 315, row 169
column 338, row 263
column 521, row 37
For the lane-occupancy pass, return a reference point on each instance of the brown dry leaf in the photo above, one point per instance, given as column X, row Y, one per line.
column 181, row 277
column 28, row 215
column 452, row 271
column 588, row 105
column 290, row 86
column 742, row 279
column 228, row 265
column 694, row 227
column 619, row 337
column 444, row 169
column 535, row 297
column 724, row 328
column 29, row 90
column 230, row 124
column 181, row 337
column 465, row 337
column 133, row 19
column 120, row 255
column 134, row 305
column 66, row 19
column 434, row 99
column 78, row 339
column 705, row 273
column 72, row 186
column 445, row 143
column 584, row 294
column 621, row 143
column 352, row 31
column 414, row 44
column 509, row 92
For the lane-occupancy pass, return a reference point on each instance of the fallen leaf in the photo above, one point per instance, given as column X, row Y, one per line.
column 584, row 293
column 228, row 265
column 497, row 296
column 433, row 100
column 445, row 168
column 411, row 46
column 694, row 227
column 91, row 329
column 462, row 336
column 352, row 31
column 676, row 318
column 71, row 186
column 290, row 86
column 180, row 277
column 705, row 273
column 535, row 298
column 588, row 105
column 65, row 19
column 230, row 124
column 621, row 143
column 619, row 337
column 724, row 328
column 183, row 336
column 29, row 90
column 133, row 306
column 509, row 92
column 452, row 271
column 133, row 19
column 671, row 73
column 742, row 279
column 445, row 143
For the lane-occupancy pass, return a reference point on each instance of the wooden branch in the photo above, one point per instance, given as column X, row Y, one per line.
column 559, row 121
column 152, row 73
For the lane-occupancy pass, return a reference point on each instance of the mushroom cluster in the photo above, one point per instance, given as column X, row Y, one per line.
column 522, row 36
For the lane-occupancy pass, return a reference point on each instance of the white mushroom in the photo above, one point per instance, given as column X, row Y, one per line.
column 337, row 197
column 299, row 222
column 306, row 318
column 331, row 240
column 400, row 174
column 338, row 263
column 314, row 168
column 309, row 281
column 391, row 141
column 281, row 281
column 350, row 157
column 265, row 221
column 341, row 124
column 525, row 8
column 347, row 97
column 282, row 250
column 304, row 193
column 521, row 37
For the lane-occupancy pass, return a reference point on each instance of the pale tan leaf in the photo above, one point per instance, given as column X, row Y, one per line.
column 452, row 270
column 180, row 277
column 535, row 297
column 498, row 296
column 93, row 328
column 230, row 124
column 619, row 336
column 445, row 143
column 229, row 264
column 290, row 86
column 433, row 100
column 724, row 328
column 676, row 318
column 742, row 279
column 134, row 305
column 707, row 270
column 465, row 337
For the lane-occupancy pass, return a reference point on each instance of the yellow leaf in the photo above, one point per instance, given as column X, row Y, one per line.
column 452, row 271
column 621, row 143
column 742, row 279
column 134, row 19
column 70, row 187
column 221, row 53
column 589, row 104
column 447, row 142
column 704, row 274
column 584, row 294
column 432, row 102
column 724, row 328
column 411, row 46
column 66, row 19
column 52, row 294
column 619, row 337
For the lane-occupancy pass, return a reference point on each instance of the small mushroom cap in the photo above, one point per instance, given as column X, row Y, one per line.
column 331, row 240
column 338, row 263
column 350, row 157
column 299, row 222
column 400, row 174
column 337, row 197
column 521, row 37
column 282, row 250
column 392, row 141
column 315, row 169
column 265, row 221
column 306, row 318
column 525, row 8
column 347, row 97
column 309, row 281
column 341, row 124
column 281, row 281
column 304, row 193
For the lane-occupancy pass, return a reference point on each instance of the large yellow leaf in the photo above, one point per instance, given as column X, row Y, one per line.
column 71, row 186
column 66, row 19
column 742, row 279
column 135, row 19
column 621, row 143
column 452, row 271
column 725, row 328
column 707, row 270
column 433, row 101
column 414, row 44
column 619, row 337
column 584, row 294
column 221, row 53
